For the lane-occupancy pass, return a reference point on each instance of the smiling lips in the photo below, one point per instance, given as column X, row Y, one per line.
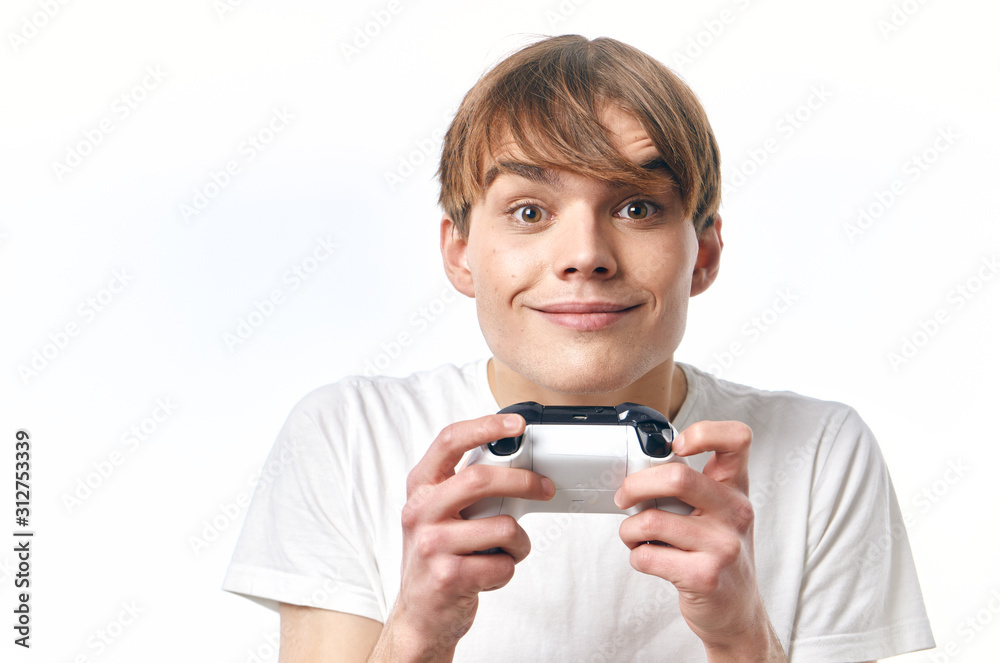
column 584, row 316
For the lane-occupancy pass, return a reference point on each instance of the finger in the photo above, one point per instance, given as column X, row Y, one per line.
column 730, row 440
column 498, row 532
column 674, row 480
column 485, row 573
column 447, row 449
column 479, row 481
column 701, row 571
column 654, row 525
column 670, row 563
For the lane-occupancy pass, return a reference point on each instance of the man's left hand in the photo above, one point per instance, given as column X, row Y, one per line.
column 710, row 557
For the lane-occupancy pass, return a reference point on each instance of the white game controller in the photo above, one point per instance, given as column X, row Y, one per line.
column 586, row 451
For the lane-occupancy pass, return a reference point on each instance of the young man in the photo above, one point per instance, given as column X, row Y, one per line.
column 580, row 182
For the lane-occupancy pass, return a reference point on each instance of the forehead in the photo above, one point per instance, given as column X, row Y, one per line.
column 625, row 135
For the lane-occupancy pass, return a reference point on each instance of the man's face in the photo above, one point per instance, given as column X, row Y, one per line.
column 581, row 285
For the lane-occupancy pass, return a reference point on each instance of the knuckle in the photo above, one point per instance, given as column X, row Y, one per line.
column 743, row 433
column 505, row 528
column 527, row 548
column 410, row 516
column 677, row 477
column 648, row 525
column 416, row 491
column 448, row 437
column 743, row 515
column 478, row 431
column 476, row 479
column 428, row 543
column 529, row 484
column 729, row 551
column 445, row 576
column 643, row 558
column 485, row 427
column 502, row 573
column 705, row 578
column 695, row 433
column 412, row 482
column 504, row 576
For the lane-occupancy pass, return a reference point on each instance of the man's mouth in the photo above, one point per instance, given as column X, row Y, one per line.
column 584, row 315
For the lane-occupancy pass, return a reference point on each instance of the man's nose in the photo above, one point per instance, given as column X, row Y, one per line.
column 582, row 247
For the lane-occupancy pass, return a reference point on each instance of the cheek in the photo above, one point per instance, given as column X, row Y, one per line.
column 500, row 272
column 492, row 282
column 665, row 269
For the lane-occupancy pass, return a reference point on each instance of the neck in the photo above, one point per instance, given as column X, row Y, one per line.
column 664, row 389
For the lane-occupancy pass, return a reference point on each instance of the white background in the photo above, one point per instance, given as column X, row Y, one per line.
column 151, row 523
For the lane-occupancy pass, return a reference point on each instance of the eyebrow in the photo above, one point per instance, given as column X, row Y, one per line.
column 548, row 177
column 536, row 174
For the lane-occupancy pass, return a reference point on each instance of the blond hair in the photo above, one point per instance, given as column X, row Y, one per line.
column 547, row 99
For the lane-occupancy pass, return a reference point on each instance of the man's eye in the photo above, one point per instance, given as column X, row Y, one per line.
column 528, row 213
column 636, row 210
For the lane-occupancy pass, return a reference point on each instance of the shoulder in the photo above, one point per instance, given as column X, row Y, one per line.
column 780, row 420
column 712, row 395
column 415, row 407
column 359, row 394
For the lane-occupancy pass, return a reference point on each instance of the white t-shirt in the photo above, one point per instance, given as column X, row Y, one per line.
column 833, row 561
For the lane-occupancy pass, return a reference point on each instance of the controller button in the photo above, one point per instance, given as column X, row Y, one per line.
column 657, row 445
column 506, row 446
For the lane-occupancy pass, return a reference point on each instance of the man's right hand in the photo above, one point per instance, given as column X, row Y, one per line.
column 441, row 574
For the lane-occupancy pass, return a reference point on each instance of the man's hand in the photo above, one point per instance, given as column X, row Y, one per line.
column 441, row 574
column 710, row 558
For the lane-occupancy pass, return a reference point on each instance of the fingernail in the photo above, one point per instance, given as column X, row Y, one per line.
column 678, row 444
column 548, row 487
column 618, row 497
column 510, row 422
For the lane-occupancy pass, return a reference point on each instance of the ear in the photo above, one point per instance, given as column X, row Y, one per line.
column 454, row 252
column 706, row 267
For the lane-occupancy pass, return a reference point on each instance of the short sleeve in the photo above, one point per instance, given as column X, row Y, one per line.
column 301, row 543
column 860, row 598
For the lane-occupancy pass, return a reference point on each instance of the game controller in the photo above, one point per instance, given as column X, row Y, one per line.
column 586, row 451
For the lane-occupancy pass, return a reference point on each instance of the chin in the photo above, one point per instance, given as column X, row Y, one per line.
column 583, row 375
column 579, row 385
